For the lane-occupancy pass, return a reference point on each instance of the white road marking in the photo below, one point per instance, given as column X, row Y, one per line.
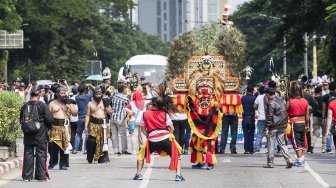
column 316, row 176
column 226, row 161
column 147, row 174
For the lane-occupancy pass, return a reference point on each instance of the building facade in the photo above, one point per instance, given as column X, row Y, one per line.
column 168, row 18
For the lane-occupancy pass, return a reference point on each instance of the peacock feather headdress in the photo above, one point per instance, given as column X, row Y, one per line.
column 207, row 39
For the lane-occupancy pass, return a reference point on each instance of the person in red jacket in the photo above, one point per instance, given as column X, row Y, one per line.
column 158, row 128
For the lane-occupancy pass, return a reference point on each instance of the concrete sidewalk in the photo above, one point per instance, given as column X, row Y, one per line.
column 13, row 162
column 10, row 165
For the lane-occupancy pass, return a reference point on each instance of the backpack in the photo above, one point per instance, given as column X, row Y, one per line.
column 30, row 123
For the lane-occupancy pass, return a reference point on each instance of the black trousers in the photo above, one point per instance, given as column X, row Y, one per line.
column 73, row 126
column 91, row 149
column 180, row 130
column 54, row 150
column 248, row 125
column 232, row 122
column 41, row 170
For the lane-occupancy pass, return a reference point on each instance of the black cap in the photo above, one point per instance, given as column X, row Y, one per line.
column 74, row 90
column 81, row 88
column 35, row 91
column 142, row 78
column 318, row 89
column 54, row 87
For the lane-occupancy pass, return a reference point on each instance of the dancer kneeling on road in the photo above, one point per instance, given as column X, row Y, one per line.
column 158, row 128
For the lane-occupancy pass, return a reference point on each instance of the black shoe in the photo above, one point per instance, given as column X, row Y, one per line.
column 233, row 151
column 117, row 153
column 126, row 153
column 51, row 167
column 221, row 151
column 310, row 149
column 63, row 168
column 251, row 152
column 179, row 178
column 138, row 177
column 289, row 165
column 268, row 165
column 210, row 167
column 246, row 152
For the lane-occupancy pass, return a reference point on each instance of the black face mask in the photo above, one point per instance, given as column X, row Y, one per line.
column 97, row 99
column 64, row 99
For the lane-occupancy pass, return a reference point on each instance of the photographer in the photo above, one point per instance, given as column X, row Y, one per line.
column 64, row 83
column 61, row 108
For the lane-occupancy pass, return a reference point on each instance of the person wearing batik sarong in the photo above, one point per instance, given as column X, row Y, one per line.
column 98, row 128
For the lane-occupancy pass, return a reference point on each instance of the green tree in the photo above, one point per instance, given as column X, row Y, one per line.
column 9, row 21
column 63, row 36
column 293, row 18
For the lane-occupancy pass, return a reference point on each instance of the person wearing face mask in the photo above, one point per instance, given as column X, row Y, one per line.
column 61, row 109
column 97, row 125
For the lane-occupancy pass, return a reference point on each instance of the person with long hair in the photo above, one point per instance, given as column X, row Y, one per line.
column 298, row 114
column 158, row 128
column 136, row 107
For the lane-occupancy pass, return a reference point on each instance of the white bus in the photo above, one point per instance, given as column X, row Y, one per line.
column 152, row 67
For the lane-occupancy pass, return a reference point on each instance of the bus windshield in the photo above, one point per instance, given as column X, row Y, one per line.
column 152, row 73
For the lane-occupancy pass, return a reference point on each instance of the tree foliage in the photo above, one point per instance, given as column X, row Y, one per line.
column 265, row 22
column 10, row 20
column 61, row 36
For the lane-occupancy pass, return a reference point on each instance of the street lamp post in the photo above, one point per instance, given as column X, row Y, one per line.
column 284, row 43
column 314, row 57
column 305, row 54
column 284, row 55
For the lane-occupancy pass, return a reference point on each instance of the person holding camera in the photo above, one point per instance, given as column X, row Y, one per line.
column 35, row 142
column 60, row 132
column 63, row 82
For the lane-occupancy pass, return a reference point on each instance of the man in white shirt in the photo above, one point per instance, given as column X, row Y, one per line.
column 261, row 125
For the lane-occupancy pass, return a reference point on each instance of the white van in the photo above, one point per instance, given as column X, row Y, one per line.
column 152, row 67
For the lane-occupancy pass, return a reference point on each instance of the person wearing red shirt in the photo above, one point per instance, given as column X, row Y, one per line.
column 298, row 114
column 332, row 120
column 158, row 128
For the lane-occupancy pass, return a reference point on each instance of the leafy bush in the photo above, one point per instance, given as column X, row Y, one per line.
column 10, row 129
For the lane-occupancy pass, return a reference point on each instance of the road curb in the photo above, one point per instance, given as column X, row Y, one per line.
column 10, row 165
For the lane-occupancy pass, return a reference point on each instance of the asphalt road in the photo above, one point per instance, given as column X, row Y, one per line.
column 231, row 171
